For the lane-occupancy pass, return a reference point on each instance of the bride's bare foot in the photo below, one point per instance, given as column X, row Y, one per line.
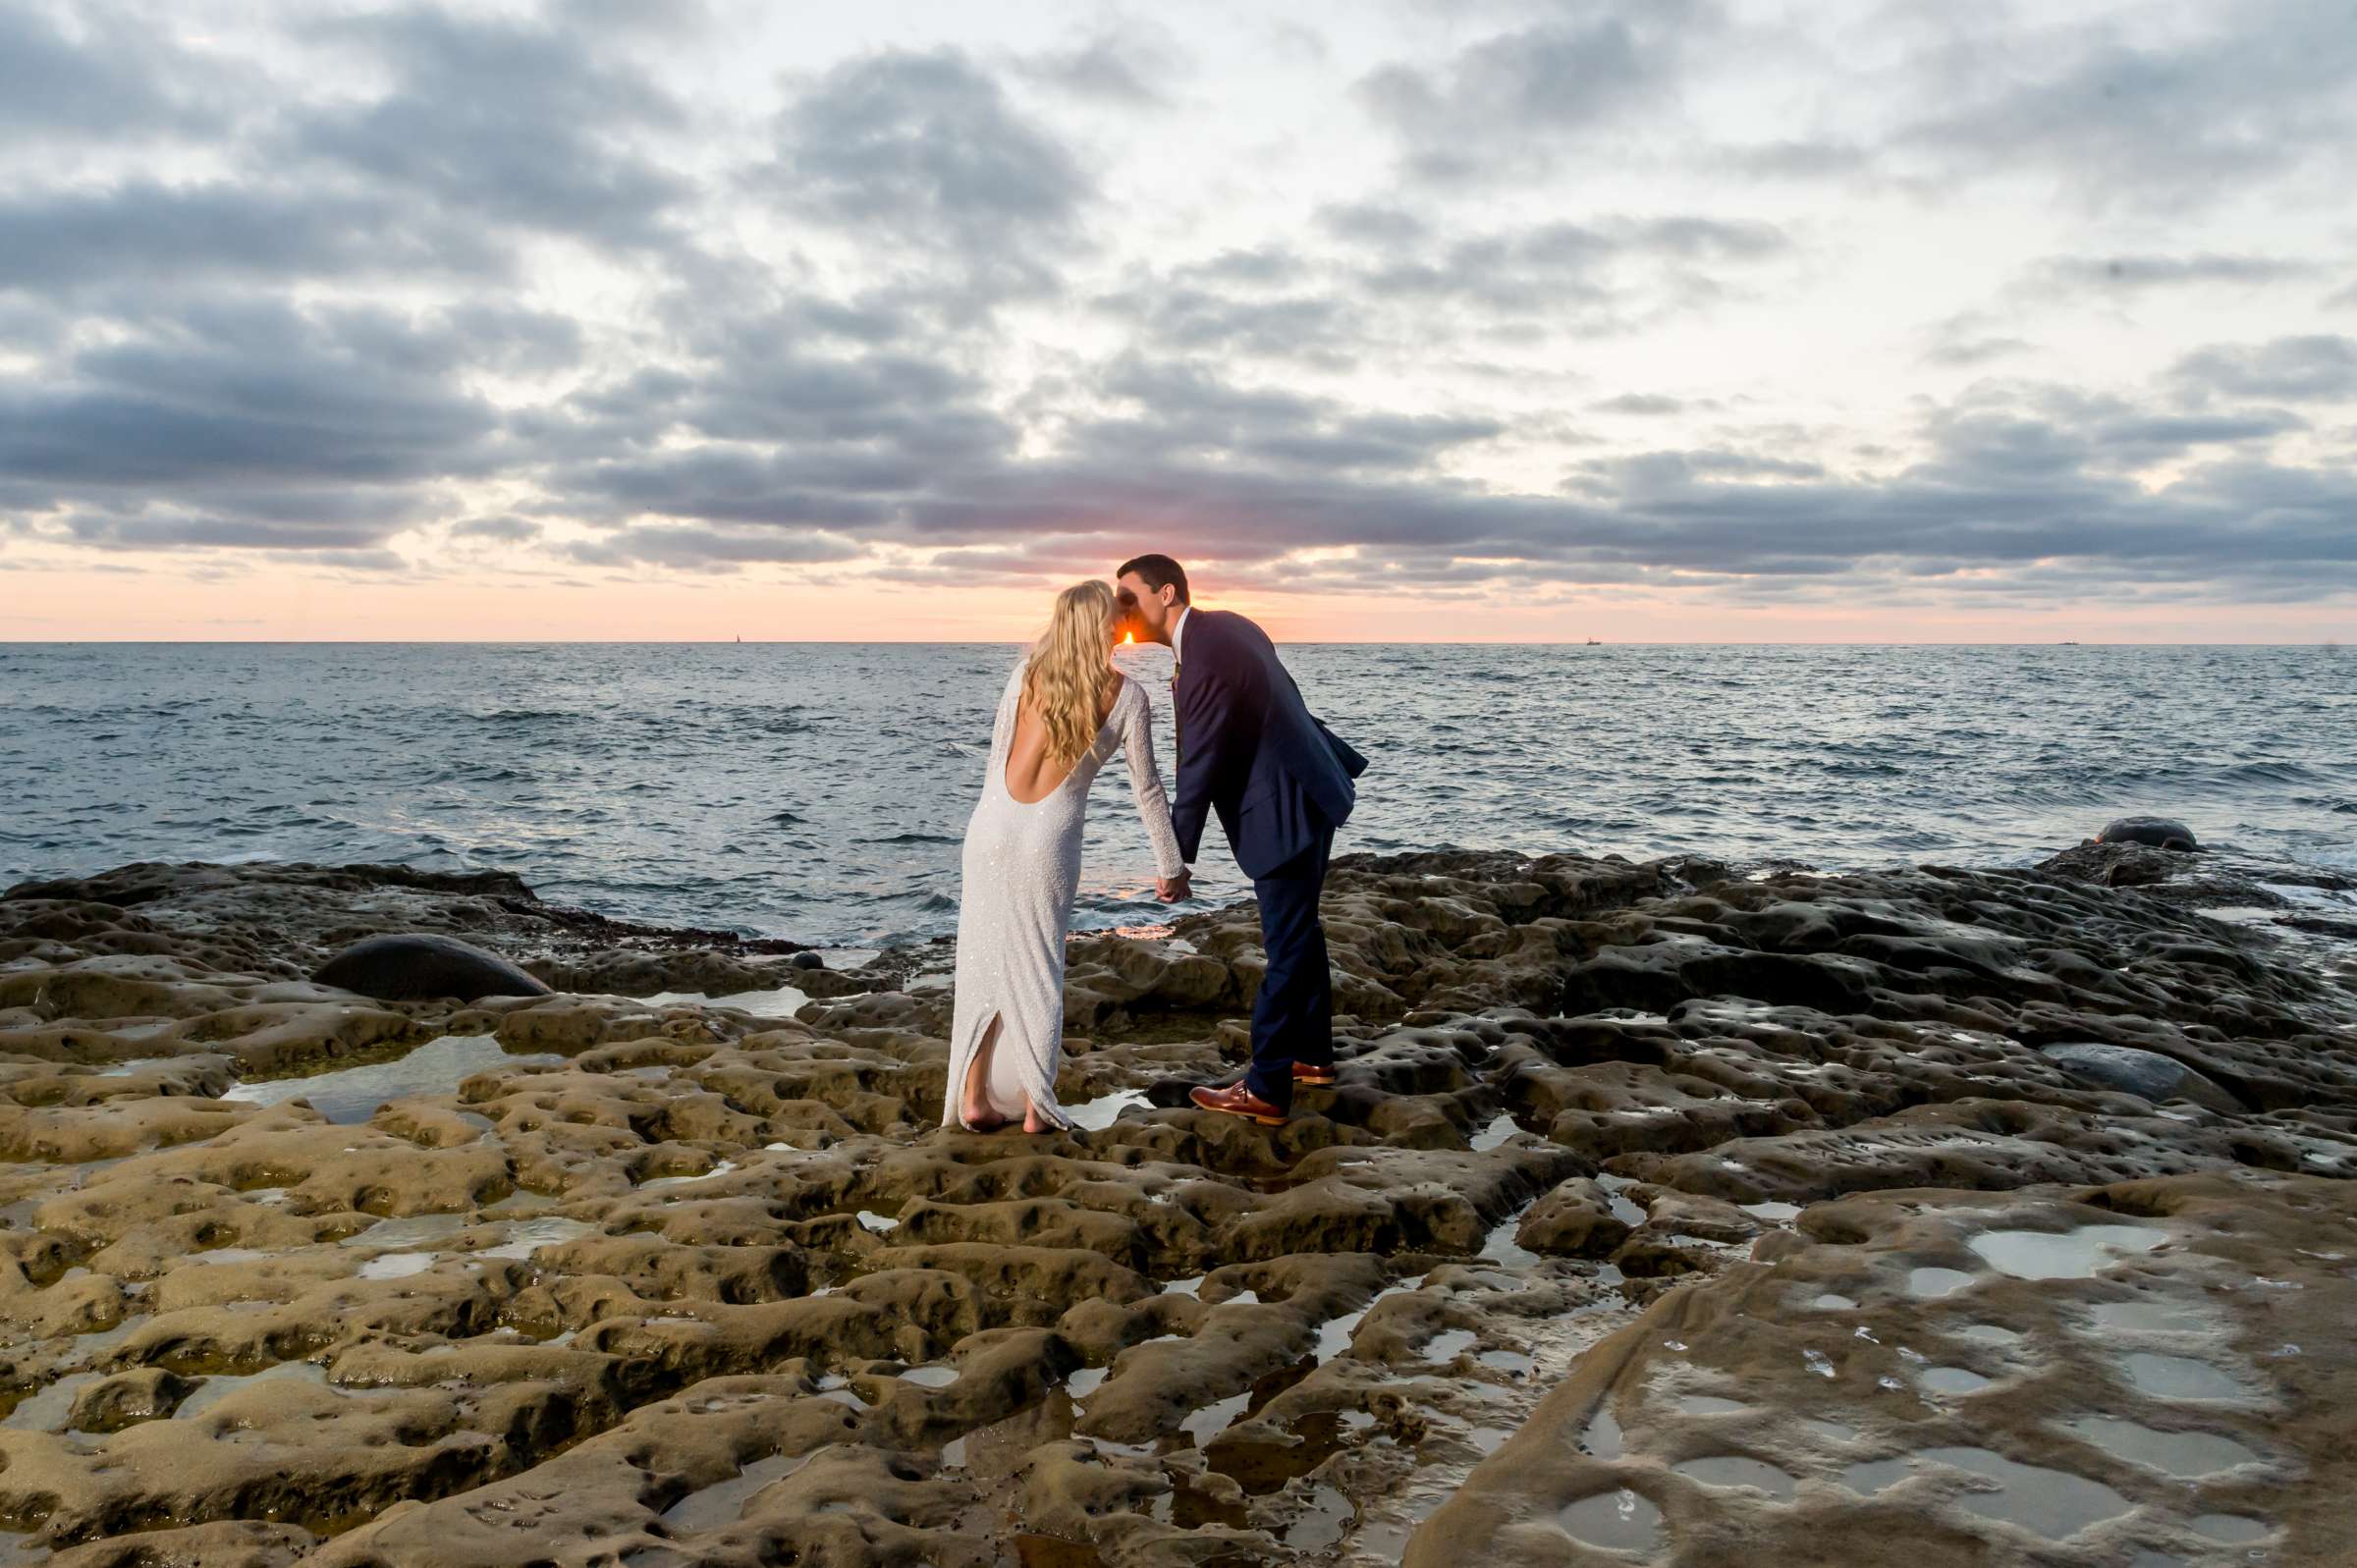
column 1033, row 1121
column 974, row 1107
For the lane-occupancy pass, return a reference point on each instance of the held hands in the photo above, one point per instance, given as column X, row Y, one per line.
column 1170, row 890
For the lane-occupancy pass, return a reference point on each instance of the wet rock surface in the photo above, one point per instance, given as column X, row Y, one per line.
column 1661, row 1213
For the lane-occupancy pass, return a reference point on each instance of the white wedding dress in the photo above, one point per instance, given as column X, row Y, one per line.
column 1021, row 867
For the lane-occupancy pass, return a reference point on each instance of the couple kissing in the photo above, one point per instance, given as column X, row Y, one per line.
column 1249, row 751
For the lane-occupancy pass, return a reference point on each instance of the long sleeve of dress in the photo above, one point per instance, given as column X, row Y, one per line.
column 1145, row 782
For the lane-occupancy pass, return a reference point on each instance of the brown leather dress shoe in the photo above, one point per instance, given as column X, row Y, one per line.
column 1314, row 1077
column 1239, row 1101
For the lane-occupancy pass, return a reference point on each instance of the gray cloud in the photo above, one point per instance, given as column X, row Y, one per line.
column 2136, row 274
column 1593, row 278
column 498, row 530
column 2122, row 120
column 2305, row 369
column 1373, row 223
column 516, row 122
column 70, row 243
column 113, row 78
column 245, row 424
column 710, row 549
column 1133, row 67
column 926, row 152
column 1639, row 402
column 1518, row 98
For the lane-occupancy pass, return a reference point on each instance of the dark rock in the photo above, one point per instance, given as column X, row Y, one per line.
column 806, row 960
column 420, row 966
column 2131, row 1071
column 2113, row 865
column 2162, row 833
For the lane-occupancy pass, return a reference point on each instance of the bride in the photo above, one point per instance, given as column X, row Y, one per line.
column 1064, row 710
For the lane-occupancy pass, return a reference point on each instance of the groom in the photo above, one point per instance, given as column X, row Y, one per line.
column 1250, row 750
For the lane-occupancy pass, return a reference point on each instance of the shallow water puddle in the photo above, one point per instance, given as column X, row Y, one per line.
column 1601, row 1437
column 1989, row 1333
column 354, row 1094
column 1624, row 1209
column 2233, row 1528
column 1708, row 1405
column 930, row 1376
column 1501, row 1127
column 1095, row 1116
column 2175, row 1453
column 1831, row 1301
column 881, row 1225
column 398, row 1264
column 101, row 1340
column 409, row 1231
column 721, row 1505
column 2155, row 1316
column 49, row 1410
column 1874, row 1476
column 2063, row 1255
column 1335, row 1333
column 1445, row 1345
column 528, row 1236
column 2054, row 1503
column 1617, row 1521
column 2181, row 1378
column 1211, row 1419
column 1500, row 1246
column 1734, row 1469
column 1324, row 1520
column 1932, row 1283
column 1952, row 1379
column 720, row 1170
column 212, row 1390
column 783, row 1002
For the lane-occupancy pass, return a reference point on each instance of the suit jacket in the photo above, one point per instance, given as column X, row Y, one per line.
column 1250, row 750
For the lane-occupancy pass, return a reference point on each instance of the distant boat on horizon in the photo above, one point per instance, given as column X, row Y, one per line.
column 1595, row 642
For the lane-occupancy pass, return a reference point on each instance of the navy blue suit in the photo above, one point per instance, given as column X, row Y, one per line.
column 1250, row 750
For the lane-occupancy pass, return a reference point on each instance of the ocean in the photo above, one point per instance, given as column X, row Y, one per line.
column 819, row 790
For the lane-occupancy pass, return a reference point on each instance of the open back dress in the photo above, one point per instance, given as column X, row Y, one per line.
column 1021, row 867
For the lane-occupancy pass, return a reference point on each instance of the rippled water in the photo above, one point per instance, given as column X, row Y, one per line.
column 818, row 790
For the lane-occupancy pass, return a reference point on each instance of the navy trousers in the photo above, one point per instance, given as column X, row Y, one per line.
column 1292, row 1018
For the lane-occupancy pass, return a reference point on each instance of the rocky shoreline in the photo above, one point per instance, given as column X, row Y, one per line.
column 1664, row 1212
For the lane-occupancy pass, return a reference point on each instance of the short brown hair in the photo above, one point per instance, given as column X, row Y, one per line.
column 1159, row 572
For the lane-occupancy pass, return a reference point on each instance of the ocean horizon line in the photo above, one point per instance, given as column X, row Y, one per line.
column 2331, row 644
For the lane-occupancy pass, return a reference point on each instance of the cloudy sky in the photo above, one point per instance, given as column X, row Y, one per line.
column 1643, row 320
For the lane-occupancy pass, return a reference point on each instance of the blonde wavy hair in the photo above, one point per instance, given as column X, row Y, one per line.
column 1070, row 663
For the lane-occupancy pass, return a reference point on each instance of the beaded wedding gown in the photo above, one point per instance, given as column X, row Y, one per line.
column 1021, row 867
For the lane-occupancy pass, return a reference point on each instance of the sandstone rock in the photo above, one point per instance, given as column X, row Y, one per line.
column 1574, row 1220
column 127, row 1398
column 715, row 1289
